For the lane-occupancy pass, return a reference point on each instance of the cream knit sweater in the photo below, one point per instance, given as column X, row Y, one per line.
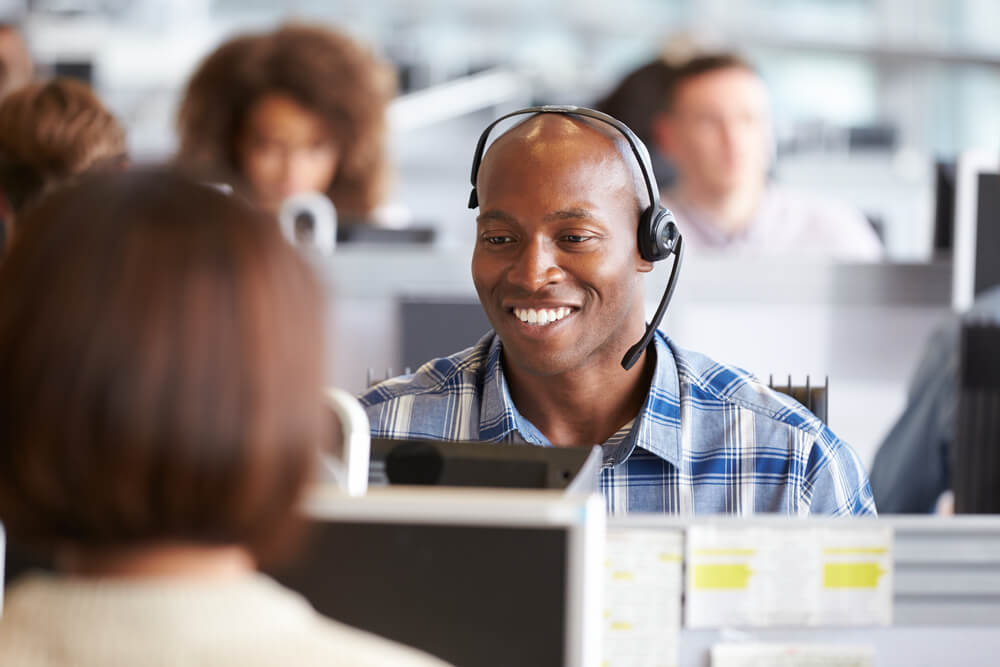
column 250, row 622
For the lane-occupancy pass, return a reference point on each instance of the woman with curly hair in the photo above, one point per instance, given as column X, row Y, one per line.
column 296, row 110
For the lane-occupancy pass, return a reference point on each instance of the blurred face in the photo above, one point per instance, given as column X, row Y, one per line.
column 556, row 262
column 285, row 149
column 718, row 133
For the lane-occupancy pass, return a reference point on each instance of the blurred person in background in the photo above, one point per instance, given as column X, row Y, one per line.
column 913, row 466
column 635, row 101
column 16, row 66
column 160, row 414
column 301, row 109
column 715, row 130
column 49, row 132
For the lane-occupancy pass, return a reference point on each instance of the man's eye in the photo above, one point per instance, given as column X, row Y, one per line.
column 576, row 238
column 493, row 239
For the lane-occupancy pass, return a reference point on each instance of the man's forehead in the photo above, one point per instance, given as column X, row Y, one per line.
column 565, row 139
column 741, row 85
column 555, row 127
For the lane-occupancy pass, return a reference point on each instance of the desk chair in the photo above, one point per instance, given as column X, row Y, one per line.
column 976, row 453
column 814, row 398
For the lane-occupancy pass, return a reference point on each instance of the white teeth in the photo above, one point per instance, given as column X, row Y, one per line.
column 541, row 316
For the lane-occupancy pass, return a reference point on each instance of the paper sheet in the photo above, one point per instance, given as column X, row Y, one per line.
column 791, row 655
column 642, row 595
column 754, row 576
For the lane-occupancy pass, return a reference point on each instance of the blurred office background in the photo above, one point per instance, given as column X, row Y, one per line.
column 867, row 94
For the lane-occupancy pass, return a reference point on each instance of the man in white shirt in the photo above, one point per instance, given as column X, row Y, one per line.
column 715, row 128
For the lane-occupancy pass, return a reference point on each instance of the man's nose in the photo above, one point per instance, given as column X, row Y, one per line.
column 535, row 266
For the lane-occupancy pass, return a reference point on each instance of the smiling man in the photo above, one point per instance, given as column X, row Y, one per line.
column 560, row 276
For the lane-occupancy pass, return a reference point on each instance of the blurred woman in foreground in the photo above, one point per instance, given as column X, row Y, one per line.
column 160, row 412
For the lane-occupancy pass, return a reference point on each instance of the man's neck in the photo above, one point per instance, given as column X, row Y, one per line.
column 585, row 406
column 730, row 213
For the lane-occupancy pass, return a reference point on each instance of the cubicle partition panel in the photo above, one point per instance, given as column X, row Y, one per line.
column 942, row 577
column 863, row 325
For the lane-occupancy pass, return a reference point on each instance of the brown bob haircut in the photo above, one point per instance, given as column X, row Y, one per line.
column 50, row 131
column 323, row 71
column 160, row 369
column 697, row 66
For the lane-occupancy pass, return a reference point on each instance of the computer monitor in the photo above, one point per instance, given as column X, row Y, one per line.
column 432, row 462
column 976, row 258
column 479, row 578
column 436, row 326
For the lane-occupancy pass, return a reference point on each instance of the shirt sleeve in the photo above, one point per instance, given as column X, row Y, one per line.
column 835, row 480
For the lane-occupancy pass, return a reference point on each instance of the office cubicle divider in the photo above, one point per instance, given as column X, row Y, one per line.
column 945, row 590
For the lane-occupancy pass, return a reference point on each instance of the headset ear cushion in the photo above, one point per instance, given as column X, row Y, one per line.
column 647, row 245
column 657, row 234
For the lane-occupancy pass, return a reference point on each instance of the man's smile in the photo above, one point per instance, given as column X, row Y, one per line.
column 541, row 316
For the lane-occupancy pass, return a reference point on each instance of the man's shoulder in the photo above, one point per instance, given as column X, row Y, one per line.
column 735, row 404
column 457, row 373
column 713, row 384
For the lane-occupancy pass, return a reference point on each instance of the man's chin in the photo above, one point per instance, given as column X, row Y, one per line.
column 535, row 362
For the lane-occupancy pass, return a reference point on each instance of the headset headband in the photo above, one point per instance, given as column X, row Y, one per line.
column 638, row 148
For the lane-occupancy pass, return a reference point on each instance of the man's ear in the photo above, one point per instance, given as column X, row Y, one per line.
column 644, row 266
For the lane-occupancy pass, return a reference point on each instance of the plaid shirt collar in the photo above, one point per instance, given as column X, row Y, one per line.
column 657, row 428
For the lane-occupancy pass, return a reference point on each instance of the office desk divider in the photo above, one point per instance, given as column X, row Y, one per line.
column 941, row 575
column 642, row 597
column 793, row 574
column 543, row 574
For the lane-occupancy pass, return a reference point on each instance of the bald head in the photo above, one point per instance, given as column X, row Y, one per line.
column 560, row 140
column 557, row 240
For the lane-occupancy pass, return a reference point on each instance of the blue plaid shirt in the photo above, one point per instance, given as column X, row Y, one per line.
column 709, row 438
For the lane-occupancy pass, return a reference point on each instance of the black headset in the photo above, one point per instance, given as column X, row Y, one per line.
column 658, row 236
